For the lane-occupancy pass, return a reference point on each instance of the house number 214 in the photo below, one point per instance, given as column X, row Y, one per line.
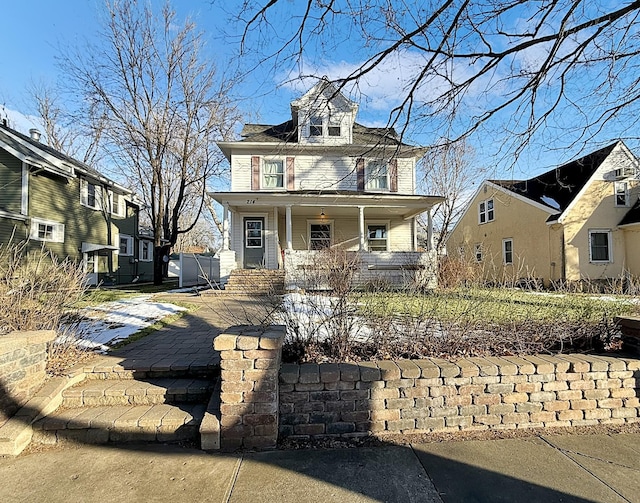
column 251, row 201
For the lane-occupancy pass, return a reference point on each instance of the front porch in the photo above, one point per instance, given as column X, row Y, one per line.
column 286, row 230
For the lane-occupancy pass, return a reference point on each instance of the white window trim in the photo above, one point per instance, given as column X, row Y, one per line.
column 486, row 211
column 58, row 230
column 129, row 252
column 478, row 252
column 284, row 173
column 141, row 256
column 322, row 124
column 386, row 223
column 367, row 178
column 331, row 225
column 24, row 196
column 121, row 206
column 84, row 194
column 626, row 194
column 504, row 251
column 609, row 246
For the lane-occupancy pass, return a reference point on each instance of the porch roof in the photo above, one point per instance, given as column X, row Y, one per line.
column 405, row 205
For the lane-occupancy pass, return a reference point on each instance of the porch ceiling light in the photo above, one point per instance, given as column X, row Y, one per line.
column 321, row 212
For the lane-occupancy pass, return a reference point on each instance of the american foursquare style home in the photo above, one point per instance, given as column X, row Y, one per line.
column 50, row 199
column 320, row 181
column 575, row 223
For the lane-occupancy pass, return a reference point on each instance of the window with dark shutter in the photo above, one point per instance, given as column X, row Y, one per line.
column 291, row 182
column 360, row 174
column 255, row 173
column 393, row 175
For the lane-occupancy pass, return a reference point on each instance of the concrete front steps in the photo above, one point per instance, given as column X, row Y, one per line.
column 127, row 406
column 256, row 282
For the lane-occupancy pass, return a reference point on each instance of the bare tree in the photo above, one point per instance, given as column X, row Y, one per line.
column 164, row 105
column 567, row 68
column 449, row 170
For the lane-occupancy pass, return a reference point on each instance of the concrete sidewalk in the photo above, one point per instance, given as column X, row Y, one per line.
column 568, row 468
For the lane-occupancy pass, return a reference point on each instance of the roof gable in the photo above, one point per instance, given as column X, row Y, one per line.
column 559, row 187
column 324, row 94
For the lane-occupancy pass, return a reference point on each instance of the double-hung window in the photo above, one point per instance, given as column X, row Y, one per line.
column 621, row 193
column 126, row 245
column 507, row 251
column 485, row 211
column 146, row 251
column 333, row 129
column 315, row 125
column 600, row 245
column 118, row 207
column 46, row 230
column 377, row 176
column 273, row 174
column 319, row 236
column 90, row 194
column 377, row 237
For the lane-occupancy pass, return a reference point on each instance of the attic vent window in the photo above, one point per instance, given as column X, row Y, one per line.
column 315, row 126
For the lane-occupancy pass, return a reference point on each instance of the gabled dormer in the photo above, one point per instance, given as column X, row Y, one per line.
column 324, row 116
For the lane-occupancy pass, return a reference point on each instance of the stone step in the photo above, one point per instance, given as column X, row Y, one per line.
column 98, row 392
column 104, row 424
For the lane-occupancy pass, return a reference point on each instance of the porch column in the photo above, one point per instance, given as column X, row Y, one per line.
column 289, row 228
column 277, row 238
column 361, row 226
column 429, row 231
column 225, row 226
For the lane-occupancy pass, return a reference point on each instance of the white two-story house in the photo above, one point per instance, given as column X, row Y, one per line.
column 321, row 180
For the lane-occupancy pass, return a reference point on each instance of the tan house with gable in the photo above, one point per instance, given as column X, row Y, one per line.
column 577, row 222
column 321, row 180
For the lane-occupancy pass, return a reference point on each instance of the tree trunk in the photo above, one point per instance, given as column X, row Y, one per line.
column 158, row 264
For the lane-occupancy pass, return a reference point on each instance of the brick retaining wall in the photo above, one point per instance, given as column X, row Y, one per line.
column 258, row 402
column 23, row 359
column 414, row 396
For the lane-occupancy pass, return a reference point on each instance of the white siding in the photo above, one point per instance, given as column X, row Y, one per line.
column 315, row 172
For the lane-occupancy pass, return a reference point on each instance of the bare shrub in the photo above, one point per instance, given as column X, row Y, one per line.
column 454, row 272
column 38, row 292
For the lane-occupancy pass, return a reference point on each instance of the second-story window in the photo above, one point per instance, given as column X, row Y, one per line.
column 315, row 125
column 273, row 174
column 90, row 195
column 377, row 175
column 126, row 245
column 485, row 211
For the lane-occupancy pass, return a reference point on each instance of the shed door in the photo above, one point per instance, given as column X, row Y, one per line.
column 253, row 242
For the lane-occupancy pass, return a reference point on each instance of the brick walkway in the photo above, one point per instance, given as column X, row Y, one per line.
column 186, row 343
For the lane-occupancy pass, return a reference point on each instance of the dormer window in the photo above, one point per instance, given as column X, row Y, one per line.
column 334, row 127
column 315, row 126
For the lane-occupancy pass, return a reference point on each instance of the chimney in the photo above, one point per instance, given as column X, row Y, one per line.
column 35, row 134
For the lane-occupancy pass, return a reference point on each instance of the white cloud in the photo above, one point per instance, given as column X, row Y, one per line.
column 19, row 121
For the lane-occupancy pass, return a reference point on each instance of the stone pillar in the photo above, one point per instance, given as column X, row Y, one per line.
column 249, row 367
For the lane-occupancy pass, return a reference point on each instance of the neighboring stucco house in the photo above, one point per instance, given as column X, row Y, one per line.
column 577, row 222
column 50, row 199
column 322, row 180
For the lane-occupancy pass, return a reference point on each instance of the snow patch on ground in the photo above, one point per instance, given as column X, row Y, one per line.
column 111, row 322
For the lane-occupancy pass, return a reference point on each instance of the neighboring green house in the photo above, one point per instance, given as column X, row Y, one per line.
column 52, row 200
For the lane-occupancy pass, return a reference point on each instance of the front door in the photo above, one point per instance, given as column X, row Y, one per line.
column 91, row 267
column 253, row 242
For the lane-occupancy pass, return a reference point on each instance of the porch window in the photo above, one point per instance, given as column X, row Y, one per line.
column 273, row 174
column 319, row 236
column 485, row 211
column 377, row 237
column 126, row 245
column 315, row 125
column 600, row 245
column 621, row 193
column 45, row 230
column 507, row 251
column 377, row 175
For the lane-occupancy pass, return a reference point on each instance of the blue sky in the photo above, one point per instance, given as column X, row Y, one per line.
column 34, row 32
